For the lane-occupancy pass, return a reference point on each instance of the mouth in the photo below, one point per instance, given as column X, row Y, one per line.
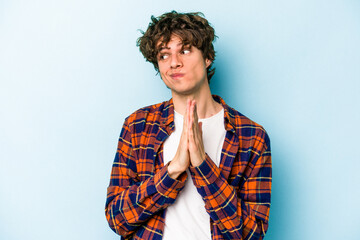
column 177, row 75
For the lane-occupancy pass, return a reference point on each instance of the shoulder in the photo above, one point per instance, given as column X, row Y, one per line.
column 246, row 128
column 243, row 122
column 151, row 114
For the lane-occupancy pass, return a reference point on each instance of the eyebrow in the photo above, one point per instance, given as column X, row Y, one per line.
column 162, row 48
column 167, row 48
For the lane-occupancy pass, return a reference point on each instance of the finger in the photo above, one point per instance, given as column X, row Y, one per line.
column 188, row 122
column 195, row 112
column 192, row 123
column 197, row 132
column 191, row 115
column 195, row 119
column 201, row 131
column 192, row 140
column 187, row 114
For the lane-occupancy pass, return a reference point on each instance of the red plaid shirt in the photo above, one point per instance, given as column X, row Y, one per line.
column 236, row 194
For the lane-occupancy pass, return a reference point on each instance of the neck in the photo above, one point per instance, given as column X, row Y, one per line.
column 205, row 104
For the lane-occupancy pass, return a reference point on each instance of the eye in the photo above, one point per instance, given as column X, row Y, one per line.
column 186, row 51
column 163, row 56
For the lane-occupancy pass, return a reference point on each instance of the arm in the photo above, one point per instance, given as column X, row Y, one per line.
column 242, row 213
column 131, row 202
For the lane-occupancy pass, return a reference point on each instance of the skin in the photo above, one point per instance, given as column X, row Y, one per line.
column 183, row 70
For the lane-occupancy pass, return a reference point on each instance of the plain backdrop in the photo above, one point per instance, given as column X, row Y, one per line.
column 70, row 72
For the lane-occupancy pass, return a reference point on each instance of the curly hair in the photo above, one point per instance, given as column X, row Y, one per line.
column 192, row 28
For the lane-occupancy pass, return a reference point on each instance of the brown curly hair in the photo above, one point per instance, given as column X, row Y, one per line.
column 192, row 28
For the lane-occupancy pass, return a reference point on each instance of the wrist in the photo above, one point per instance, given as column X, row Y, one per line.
column 173, row 171
column 198, row 160
column 196, row 163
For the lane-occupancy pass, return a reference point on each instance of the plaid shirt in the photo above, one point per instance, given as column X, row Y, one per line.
column 236, row 194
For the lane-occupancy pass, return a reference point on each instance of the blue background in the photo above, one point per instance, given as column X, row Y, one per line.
column 70, row 72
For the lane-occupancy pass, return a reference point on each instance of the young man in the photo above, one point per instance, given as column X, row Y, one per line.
column 191, row 167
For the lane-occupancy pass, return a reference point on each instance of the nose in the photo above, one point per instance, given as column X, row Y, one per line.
column 175, row 61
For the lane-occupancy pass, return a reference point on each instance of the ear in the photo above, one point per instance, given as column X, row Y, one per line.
column 207, row 62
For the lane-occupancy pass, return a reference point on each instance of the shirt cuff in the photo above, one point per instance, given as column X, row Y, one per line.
column 205, row 174
column 167, row 186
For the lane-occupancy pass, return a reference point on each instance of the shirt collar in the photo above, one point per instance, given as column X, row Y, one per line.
column 167, row 117
column 229, row 116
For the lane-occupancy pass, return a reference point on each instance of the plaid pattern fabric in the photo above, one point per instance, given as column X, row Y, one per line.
column 236, row 194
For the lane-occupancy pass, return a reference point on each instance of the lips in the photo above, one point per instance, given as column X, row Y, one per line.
column 176, row 75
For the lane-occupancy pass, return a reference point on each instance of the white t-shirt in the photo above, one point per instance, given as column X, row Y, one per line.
column 187, row 217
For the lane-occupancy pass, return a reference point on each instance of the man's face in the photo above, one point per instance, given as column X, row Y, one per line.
column 182, row 68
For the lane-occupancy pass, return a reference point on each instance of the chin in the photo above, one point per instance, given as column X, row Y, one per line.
column 185, row 91
column 185, row 88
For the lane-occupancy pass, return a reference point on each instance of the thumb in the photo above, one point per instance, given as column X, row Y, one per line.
column 200, row 127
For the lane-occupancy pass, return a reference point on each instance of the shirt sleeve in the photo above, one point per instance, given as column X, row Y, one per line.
column 242, row 213
column 131, row 202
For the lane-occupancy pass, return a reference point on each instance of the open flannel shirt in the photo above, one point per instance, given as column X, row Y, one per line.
column 236, row 194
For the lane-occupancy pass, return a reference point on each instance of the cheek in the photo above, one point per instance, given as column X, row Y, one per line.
column 162, row 73
column 200, row 68
column 162, row 69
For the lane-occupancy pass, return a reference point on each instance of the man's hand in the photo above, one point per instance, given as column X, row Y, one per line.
column 181, row 160
column 196, row 145
column 191, row 147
